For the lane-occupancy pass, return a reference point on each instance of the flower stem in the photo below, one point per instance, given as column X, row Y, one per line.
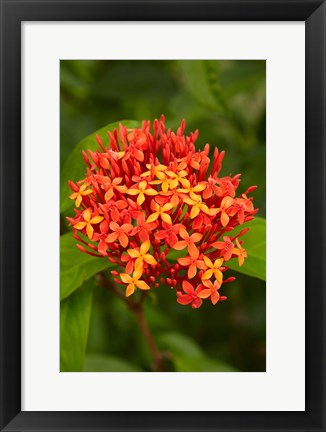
column 137, row 309
column 149, row 338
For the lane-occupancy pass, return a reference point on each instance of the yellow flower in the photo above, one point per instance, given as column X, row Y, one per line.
column 134, row 282
column 157, row 171
column 161, row 211
column 88, row 223
column 213, row 269
column 192, row 190
column 78, row 196
column 197, row 206
column 141, row 192
column 142, row 255
column 177, row 178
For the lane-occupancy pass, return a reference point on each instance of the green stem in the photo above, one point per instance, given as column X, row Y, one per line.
column 137, row 309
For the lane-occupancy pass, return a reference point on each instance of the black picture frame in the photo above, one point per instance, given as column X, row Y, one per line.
column 13, row 13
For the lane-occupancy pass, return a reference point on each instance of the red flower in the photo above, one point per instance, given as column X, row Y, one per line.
column 143, row 228
column 192, row 262
column 152, row 191
column 191, row 296
column 169, row 234
column 225, row 247
column 119, row 233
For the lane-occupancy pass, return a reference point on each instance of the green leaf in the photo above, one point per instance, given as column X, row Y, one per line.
column 180, row 344
column 201, row 78
column 106, row 363
column 188, row 356
column 75, row 313
column 255, row 245
column 74, row 168
column 76, row 266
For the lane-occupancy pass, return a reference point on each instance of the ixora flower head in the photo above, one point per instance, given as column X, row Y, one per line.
column 157, row 208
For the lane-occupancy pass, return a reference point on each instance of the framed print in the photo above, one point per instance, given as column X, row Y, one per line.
column 162, row 215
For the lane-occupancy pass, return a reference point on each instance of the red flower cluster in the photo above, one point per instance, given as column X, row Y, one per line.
column 148, row 193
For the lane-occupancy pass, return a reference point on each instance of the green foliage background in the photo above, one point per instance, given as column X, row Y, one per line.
column 225, row 100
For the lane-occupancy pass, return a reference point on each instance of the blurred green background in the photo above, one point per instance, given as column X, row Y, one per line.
column 226, row 101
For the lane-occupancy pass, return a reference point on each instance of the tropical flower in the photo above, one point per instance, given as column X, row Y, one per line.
column 160, row 211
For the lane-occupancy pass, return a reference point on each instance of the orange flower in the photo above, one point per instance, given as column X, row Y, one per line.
column 211, row 291
column 141, row 255
column 88, row 223
column 225, row 204
column 119, row 233
column 133, row 282
column 192, row 262
column 242, row 254
column 110, row 186
column 188, row 241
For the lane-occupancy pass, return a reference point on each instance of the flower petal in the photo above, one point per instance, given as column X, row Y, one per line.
column 149, row 259
column 218, row 262
column 141, row 198
column 112, row 237
column 90, row 231
column 196, row 303
column 167, row 207
column 142, row 285
column 184, row 261
column 183, row 233
column 150, row 192
column 80, row 225
column 96, row 220
column 196, row 237
column 78, row 200
column 215, row 297
column 114, row 226
column 192, row 271
column 180, row 245
column 132, row 191
column 184, row 299
column 187, row 287
column 130, row 289
column 205, row 293
column 138, row 272
column 127, row 227
column 125, row 278
column 208, row 262
column 87, row 215
column 208, row 274
column 166, row 218
column 123, row 239
column 224, row 219
column 133, row 253
column 192, row 249
column 145, row 247
column 152, row 217
column 194, row 212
